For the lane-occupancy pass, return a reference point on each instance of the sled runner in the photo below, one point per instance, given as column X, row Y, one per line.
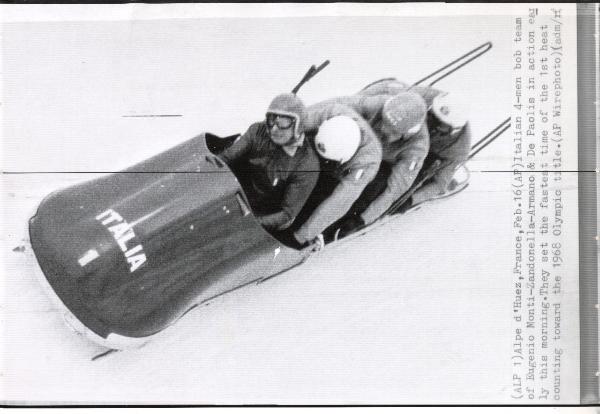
column 127, row 255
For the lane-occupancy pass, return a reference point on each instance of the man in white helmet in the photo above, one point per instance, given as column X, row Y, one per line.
column 399, row 120
column 449, row 130
column 281, row 168
column 350, row 153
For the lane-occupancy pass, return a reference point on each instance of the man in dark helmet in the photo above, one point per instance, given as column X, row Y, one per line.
column 281, row 168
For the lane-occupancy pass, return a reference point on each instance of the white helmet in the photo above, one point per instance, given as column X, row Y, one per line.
column 452, row 110
column 338, row 138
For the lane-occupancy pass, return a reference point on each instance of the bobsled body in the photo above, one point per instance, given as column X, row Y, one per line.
column 130, row 253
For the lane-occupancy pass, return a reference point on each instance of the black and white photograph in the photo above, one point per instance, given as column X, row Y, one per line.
column 290, row 204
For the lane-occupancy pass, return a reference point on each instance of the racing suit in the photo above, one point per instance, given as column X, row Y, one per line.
column 350, row 177
column 278, row 184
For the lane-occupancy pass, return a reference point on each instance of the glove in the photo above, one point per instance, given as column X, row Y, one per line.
column 349, row 226
column 315, row 245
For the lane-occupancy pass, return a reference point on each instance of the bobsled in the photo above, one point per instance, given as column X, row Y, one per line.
column 126, row 255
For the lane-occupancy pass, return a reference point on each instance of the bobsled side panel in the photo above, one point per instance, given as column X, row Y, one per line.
column 131, row 252
column 185, row 158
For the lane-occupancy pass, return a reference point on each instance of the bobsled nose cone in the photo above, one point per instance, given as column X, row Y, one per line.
column 130, row 253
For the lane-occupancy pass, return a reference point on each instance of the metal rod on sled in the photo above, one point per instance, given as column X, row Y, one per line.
column 490, row 137
column 312, row 71
column 469, row 56
column 500, row 125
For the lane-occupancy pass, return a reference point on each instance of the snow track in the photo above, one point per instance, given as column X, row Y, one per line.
column 407, row 313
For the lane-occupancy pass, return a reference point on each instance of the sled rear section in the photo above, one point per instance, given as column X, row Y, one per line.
column 130, row 253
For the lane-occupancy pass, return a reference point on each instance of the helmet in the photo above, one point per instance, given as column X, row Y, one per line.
column 338, row 138
column 452, row 110
column 289, row 104
column 404, row 113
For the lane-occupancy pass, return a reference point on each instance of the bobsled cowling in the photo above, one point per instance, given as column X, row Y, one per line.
column 130, row 253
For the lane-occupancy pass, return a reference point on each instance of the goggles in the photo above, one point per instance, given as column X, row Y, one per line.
column 282, row 121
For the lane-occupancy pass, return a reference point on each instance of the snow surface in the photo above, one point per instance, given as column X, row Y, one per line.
column 417, row 311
